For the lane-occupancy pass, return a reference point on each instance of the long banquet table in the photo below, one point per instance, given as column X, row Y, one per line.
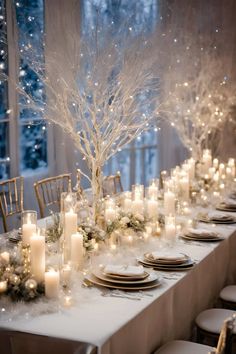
column 121, row 325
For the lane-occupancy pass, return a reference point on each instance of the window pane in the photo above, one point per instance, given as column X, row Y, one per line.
column 33, row 147
column 33, row 138
column 3, row 62
column 4, row 153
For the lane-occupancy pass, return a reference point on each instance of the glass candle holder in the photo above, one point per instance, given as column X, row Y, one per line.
column 170, row 228
column 69, row 220
column 152, row 189
column 137, row 192
column 28, row 225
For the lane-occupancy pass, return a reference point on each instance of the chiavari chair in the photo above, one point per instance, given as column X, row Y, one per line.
column 11, row 198
column 112, row 185
column 48, row 191
column 224, row 344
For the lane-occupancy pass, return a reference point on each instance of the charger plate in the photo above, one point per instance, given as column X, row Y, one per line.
column 203, row 239
column 151, row 277
column 95, row 281
column 182, row 268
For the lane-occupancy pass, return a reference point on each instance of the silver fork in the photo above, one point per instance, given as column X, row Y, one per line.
column 118, row 293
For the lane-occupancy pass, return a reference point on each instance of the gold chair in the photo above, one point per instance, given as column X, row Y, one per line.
column 48, row 191
column 11, row 198
column 112, row 185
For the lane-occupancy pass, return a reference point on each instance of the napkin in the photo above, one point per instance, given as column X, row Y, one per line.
column 231, row 204
column 173, row 256
column 123, row 270
column 218, row 216
column 201, row 232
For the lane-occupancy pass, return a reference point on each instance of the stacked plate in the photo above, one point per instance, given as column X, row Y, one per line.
column 229, row 205
column 166, row 261
column 125, row 278
column 201, row 235
column 217, row 218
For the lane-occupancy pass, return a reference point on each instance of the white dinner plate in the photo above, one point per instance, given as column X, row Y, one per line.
column 152, row 277
column 92, row 279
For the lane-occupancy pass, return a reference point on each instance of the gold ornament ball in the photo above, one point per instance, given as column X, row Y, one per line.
column 30, row 284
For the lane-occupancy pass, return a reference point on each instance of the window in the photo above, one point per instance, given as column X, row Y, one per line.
column 22, row 131
column 138, row 161
column 4, row 118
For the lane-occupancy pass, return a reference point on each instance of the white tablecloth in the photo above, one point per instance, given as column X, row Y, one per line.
column 123, row 326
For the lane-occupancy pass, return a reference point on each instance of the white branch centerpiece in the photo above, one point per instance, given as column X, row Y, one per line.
column 198, row 91
column 104, row 94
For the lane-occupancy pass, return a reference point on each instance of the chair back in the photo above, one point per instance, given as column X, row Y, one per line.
column 77, row 188
column 11, row 198
column 48, row 191
column 224, row 345
column 14, row 342
column 112, row 185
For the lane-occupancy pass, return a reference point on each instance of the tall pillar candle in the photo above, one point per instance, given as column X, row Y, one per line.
column 37, row 248
column 77, row 249
column 52, row 281
column 184, row 188
column 28, row 230
column 70, row 227
column 169, row 202
column 127, row 205
column 152, row 208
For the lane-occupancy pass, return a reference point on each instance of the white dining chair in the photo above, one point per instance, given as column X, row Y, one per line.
column 209, row 323
column 228, row 297
column 184, row 347
column 15, row 342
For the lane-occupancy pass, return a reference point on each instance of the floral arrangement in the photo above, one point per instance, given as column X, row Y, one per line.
column 16, row 280
column 124, row 221
column 91, row 234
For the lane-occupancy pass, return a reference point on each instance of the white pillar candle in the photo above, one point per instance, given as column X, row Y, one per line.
column 5, row 256
column 3, row 286
column 110, row 214
column 231, row 164
column 170, row 231
column 52, row 280
column 127, row 205
column 191, row 164
column 77, row 249
column 215, row 163
column 211, row 172
column 221, row 169
column 70, row 227
column 27, row 232
column 152, row 208
column 153, row 191
column 137, row 206
column 206, row 160
column 184, row 188
column 169, row 203
column 37, row 257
